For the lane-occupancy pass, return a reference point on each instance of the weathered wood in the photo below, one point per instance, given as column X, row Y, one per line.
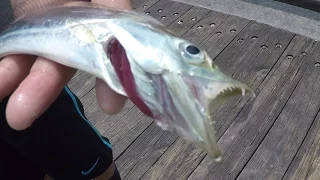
column 254, row 64
column 206, row 26
column 141, row 5
column 279, row 147
column 82, row 83
column 144, row 152
column 188, row 20
column 167, row 11
column 306, row 163
column 223, row 35
column 176, row 163
column 252, row 124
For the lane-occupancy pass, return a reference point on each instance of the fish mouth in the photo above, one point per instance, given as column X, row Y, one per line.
column 211, row 94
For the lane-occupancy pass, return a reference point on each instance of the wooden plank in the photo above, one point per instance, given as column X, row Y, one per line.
column 253, row 65
column 82, row 83
column 144, row 152
column 282, row 142
column 167, row 11
column 188, row 20
column 223, row 35
column 142, row 5
column 206, row 26
column 306, row 162
column 247, row 131
column 178, row 161
column 188, row 166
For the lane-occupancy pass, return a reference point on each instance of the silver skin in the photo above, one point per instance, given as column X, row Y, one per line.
column 181, row 89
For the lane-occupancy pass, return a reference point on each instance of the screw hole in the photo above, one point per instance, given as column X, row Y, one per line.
column 254, row 37
column 232, row 30
column 218, row 33
column 290, row 57
column 162, row 17
column 264, row 47
column 180, row 22
column 199, row 27
column 193, row 19
column 175, row 14
column 278, row 45
column 212, row 24
column 160, row 10
column 304, row 53
column 144, row 6
column 147, row 12
column 240, row 40
column 317, row 64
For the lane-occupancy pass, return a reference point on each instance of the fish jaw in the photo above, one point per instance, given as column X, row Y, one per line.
column 194, row 99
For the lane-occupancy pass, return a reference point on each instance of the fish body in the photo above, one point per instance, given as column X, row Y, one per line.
column 169, row 78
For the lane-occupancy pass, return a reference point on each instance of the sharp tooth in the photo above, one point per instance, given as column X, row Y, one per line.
column 243, row 92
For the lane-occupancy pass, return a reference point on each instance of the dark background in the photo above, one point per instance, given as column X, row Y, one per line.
column 6, row 15
column 308, row 4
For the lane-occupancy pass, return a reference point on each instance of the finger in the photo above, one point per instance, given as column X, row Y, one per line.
column 109, row 101
column 37, row 92
column 13, row 69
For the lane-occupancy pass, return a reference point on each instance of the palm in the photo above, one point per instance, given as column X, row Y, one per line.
column 35, row 82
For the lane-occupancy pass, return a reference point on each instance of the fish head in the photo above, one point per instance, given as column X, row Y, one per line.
column 178, row 80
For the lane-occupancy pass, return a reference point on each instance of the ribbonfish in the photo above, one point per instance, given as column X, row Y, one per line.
column 168, row 78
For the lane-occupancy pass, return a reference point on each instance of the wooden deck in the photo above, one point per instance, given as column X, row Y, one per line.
column 274, row 136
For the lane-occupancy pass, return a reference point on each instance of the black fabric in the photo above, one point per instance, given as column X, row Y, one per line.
column 61, row 143
column 14, row 166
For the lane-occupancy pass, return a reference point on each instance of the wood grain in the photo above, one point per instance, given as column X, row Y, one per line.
column 283, row 140
column 252, row 124
column 305, row 164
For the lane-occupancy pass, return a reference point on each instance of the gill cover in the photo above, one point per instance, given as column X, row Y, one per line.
column 141, row 43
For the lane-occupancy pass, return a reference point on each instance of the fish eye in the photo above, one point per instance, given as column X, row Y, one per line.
column 193, row 49
column 192, row 53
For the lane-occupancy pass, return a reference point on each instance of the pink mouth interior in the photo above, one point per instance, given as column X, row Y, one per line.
column 121, row 65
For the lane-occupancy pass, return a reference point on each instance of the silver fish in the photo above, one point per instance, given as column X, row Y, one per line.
column 169, row 78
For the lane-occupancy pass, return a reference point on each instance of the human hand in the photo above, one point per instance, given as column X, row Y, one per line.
column 35, row 82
